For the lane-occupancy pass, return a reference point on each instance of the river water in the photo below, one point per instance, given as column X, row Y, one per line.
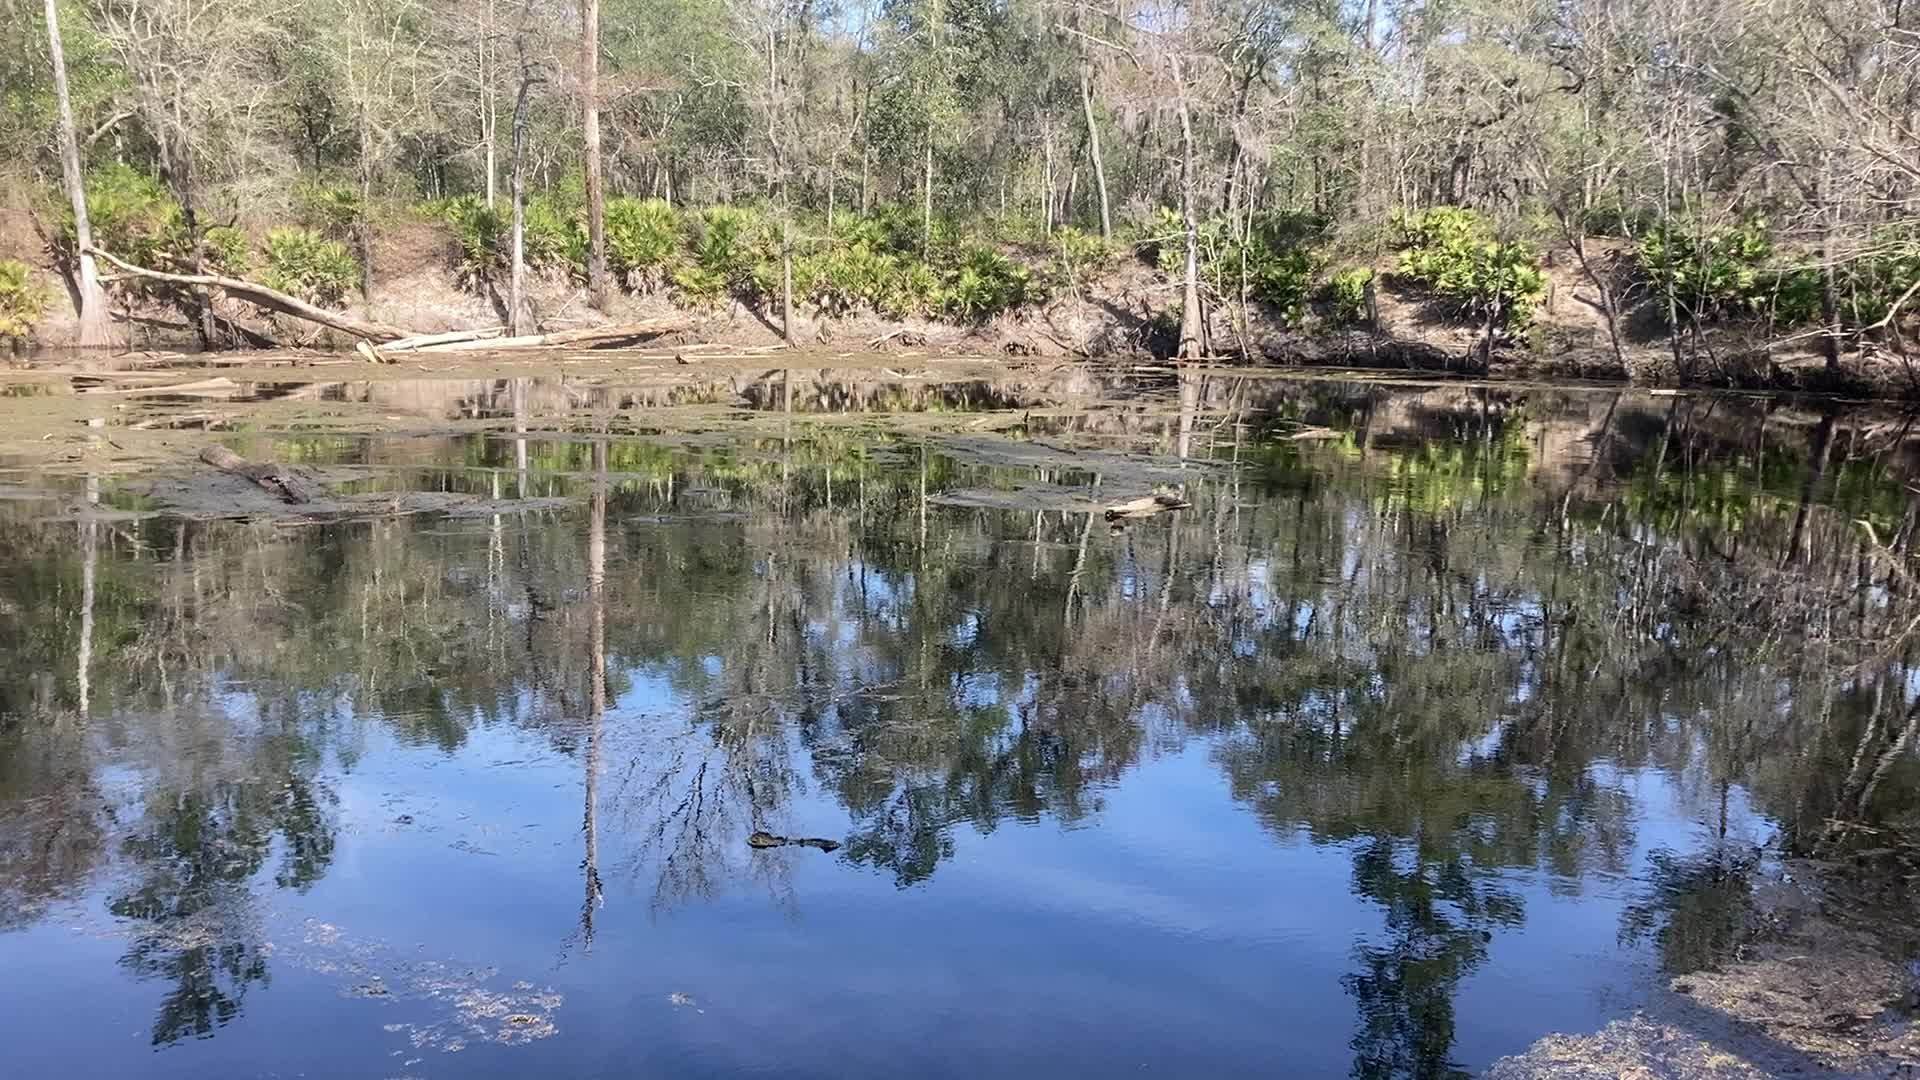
column 1443, row 718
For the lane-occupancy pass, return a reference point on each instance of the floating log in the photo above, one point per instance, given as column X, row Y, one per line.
column 274, row 479
column 271, row 299
column 1146, row 506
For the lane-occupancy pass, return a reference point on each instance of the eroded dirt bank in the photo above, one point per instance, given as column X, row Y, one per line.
column 1818, row 980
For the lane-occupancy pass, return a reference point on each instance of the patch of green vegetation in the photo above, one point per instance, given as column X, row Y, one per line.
column 1347, row 292
column 1738, row 270
column 23, row 302
column 330, row 209
column 305, row 264
column 1452, row 252
column 1276, row 256
column 643, row 241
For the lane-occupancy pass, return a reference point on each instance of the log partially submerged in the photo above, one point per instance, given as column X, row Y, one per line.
column 1146, row 506
column 275, row 479
column 271, row 299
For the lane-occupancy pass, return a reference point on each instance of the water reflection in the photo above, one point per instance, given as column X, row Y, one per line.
column 1499, row 653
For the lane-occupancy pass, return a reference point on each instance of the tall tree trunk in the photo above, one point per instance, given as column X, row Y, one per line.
column 1193, row 322
column 786, row 269
column 96, row 331
column 184, row 188
column 1230, row 198
column 362, row 227
column 1093, row 148
column 518, row 324
column 1829, row 290
column 1046, row 180
column 91, row 300
column 596, row 198
column 926, row 204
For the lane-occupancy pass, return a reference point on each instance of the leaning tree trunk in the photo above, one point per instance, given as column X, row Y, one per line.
column 1093, row 149
column 264, row 296
column 1193, row 321
column 596, row 199
column 90, row 300
column 518, row 324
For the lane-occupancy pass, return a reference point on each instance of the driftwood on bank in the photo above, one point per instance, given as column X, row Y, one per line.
column 275, row 479
column 426, row 341
column 488, row 340
column 271, row 299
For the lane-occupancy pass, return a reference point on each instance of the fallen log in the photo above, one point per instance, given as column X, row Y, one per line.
column 274, row 479
column 450, row 337
column 586, row 335
column 261, row 295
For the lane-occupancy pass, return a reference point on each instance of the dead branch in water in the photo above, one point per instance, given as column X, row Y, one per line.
column 274, row 479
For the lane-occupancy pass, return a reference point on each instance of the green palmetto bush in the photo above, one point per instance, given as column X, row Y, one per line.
column 303, row 263
column 1738, row 270
column 1452, row 252
column 643, row 241
column 23, row 302
column 985, row 283
column 730, row 241
column 1348, row 292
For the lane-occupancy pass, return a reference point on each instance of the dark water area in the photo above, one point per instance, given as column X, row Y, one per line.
column 1442, row 719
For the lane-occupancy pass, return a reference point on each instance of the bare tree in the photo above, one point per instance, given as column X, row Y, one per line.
column 90, row 299
column 519, row 317
column 590, row 128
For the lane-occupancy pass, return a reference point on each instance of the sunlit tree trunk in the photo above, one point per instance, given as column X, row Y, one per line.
column 1193, row 325
column 518, row 322
column 926, row 205
column 90, row 300
column 590, row 129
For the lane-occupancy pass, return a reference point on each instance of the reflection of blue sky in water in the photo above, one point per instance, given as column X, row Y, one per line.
column 1066, row 854
column 1171, row 908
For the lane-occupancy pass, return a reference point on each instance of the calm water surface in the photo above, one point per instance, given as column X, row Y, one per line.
column 1420, row 734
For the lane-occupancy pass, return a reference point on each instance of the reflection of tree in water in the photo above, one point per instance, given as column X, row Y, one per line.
column 1693, row 906
column 1401, row 644
column 1440, row 915
column 195, row 858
